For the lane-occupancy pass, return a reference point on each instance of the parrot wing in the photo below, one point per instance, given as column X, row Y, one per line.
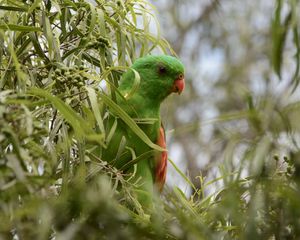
column 161, row 160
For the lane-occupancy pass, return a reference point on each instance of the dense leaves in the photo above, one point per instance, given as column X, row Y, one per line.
column 60, row 66
column 60, row 62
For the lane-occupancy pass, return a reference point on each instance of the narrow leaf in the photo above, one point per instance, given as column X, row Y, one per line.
column 130, row 122
column 14, row 27
column 96, row 108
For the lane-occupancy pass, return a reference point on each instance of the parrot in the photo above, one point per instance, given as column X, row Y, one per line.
column 142, row 89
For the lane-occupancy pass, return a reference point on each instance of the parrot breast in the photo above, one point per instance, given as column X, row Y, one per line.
column 161, row 161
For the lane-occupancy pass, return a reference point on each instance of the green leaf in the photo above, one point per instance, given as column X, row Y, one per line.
column 135, row 85
column 91, row 59
column 14, row 27
column 37, row 46
column 112, row 131
column 279, row 33
column 53, row 49
column 23, row 47
column 296, row 77
column 126, row 165
column 182, row 174
column 11, row 8
column 93, row 18
column 96, row 108
column 130, row 122
column 72, row 51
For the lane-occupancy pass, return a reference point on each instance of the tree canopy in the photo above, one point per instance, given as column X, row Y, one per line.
column 60, row 63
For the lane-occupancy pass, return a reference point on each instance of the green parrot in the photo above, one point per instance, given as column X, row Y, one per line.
column 143, row 88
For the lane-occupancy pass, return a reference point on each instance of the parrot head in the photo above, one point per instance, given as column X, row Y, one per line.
column 159, row 77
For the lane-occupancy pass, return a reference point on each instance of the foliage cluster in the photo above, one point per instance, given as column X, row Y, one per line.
column 60, row 62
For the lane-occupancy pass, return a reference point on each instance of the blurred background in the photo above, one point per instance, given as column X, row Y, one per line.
column 233, row 91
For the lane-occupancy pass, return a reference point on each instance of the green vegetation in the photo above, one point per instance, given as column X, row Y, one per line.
column 60, row 62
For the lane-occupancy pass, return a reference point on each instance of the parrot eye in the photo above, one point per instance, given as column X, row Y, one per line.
column 180, row 76
column 162, row 69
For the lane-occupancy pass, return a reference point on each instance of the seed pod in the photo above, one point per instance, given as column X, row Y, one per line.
column 57, row 71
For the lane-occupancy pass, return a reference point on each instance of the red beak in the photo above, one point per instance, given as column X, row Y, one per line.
column 178, row 85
